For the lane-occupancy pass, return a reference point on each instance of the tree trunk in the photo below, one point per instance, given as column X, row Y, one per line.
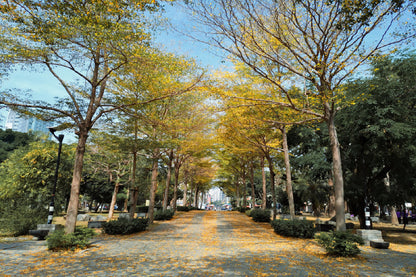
column 72, row 212
column 337, row 170
column 289, row 189
column 191, row 196
column 331, row 206
column 185, row 193
column 196, row 197
column 168, row 177
column 253, row 192
column 153, row 186
column 114, row 198
column 394, row 219
column 237, row 189
column 134, row 191
column 126, row 201
column 244, row 191
column 175, row 188
column 272, row 184
column 263, row 175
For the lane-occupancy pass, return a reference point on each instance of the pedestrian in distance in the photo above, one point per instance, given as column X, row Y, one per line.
column 405, row 219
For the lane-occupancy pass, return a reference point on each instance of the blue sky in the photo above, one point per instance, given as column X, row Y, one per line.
column 43, row 86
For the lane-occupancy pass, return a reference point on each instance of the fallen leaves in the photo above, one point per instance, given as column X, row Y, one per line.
column 207, row 243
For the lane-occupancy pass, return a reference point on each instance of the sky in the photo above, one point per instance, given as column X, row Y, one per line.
column 43, row 86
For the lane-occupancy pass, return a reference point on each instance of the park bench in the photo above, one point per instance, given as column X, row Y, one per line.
column 380, row 244
column 42, row 231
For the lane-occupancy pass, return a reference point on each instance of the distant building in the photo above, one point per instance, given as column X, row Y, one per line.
column 24, row 124
column 216, row 194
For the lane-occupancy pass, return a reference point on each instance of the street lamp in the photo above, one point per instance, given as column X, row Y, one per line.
column 60, row 138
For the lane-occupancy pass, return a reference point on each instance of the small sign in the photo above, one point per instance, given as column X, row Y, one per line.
column 147, row 203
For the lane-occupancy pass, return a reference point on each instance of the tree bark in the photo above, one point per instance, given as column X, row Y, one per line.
column 72, row 211
column 337, row 169
column 168, row 177
column 331, row 206
column 175, row 188
column 263, row 175
column 114, row 197
column 244, row 190
column 191, row 196
column 253, row 192
column 196, row 197
column 153, row 186
column 185, row 193
column 237, row 189
column 272, row 184
column 394, row 219
column 289, row 189
column 126, row 201
column 134, row 192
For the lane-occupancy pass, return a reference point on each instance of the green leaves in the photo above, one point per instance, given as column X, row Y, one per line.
column 340, row 243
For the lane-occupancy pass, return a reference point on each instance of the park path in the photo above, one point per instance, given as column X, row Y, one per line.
column 202, row 243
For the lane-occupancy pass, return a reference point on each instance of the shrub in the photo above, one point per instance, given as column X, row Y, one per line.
column 260, row 215
column 20, row 216
column 339, row 243
column 80, row 238
column 182, row 208
column 294, row 228
column 125, row 226
column 241, row 209
column 163, row 215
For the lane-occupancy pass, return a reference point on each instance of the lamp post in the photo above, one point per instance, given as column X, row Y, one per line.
column 60, row 138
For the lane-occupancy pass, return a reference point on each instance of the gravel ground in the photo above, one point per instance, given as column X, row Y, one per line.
column 203, row 243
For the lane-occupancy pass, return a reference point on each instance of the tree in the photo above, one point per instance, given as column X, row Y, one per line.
column 287, row 42
column 11, row 140
column 160, row 97
column 27, row 180
column 312, row 164
column 106, row 156
column 260, row 119
column 380, row 127
column 88, row 41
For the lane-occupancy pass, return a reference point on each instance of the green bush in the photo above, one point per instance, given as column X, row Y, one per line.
column 125, row 226
column 20, row 216
column 80, row 238
column 294, row 228
column 182, row 208
column 241, row 209
column 339, row 243
column 260, row 215
column 163, row 215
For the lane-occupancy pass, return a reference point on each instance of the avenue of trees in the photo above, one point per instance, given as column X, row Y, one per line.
column 291, row 124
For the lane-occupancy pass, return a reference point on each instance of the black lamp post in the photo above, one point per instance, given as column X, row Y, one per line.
column 60, row 138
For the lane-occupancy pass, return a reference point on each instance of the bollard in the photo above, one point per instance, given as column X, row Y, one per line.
column 367, row 218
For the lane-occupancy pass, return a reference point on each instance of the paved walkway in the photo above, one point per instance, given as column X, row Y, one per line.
column 202, row 244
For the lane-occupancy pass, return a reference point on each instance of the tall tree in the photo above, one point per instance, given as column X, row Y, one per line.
column 106, row 156
column 380, row 127
column 157, row 94
column 88, row 41
column 282, row 40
